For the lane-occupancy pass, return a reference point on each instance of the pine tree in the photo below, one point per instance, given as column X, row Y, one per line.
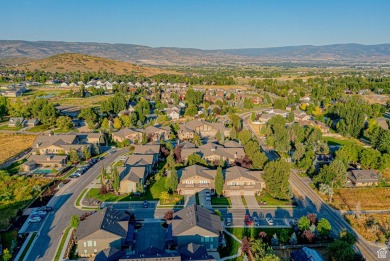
column 116, row 181
column 219, row 181
column 172, row 181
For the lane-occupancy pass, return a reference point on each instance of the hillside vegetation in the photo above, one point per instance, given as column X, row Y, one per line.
column 71, row 62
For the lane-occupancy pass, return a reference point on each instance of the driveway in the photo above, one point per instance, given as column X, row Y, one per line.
column 189, row 200
column 150, row 235
column 236, row 202
column 202, row 200
column 251, row 201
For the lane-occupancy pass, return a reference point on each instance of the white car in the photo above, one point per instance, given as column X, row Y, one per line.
column 269, row 220
column 39, row 212
column 34, row 220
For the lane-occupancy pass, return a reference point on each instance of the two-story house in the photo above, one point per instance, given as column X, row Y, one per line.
column 153, row 150
column 195, row 224
column 242, row 181
column 146, row 161
column 130, row 177
column 196, row 178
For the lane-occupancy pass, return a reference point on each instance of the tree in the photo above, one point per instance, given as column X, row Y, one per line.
column 191, row 110
column 275, row 240
column 235, row 121
column 304, row 223
column 313, row 218
column 324, row 227
column 74, row 156
column 219, row 181
column 245, row 245
column 260, row 248
column 284, row 236
column 171, row 161
column 89, row 115
column 293, row 239
column 172, row 181
column 117, row 123
column 219, row 137
column 347, row 237
column 276, row 176
column 244, row 136
column 74, row 221
column 116, row 179
column 126, row 120
column 140, row 187
column 4, row 104
column 105, row 124
column 270, row 257
column 6, row 255
column 144, row 138
column 164, row 196
column 103, row 172
column 341, row 251
column 248, row 104
column 308, row 235
column 280, row 103
column 86, row 152
column 96, row 149
column 253, row 116
column 196, row 140
column 233, row 134
column 168, row 215
column 334, row 173
column 64, row 123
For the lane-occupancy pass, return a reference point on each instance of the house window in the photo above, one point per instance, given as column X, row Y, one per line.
column 85, row 251
column 85, row 244
column 94, row 243
column 203, row 182
column 202, row 239
column 95, row 251
column 234, row 184
column 89, row 243
column 189, row 182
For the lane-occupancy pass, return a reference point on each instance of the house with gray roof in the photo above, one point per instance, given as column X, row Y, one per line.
column 104, row 229
column 131, row 134
column 242, row 181
column 362, row 178
column 16, row 121
column 145, row 161
column 194, row 252
column 196, row 178
column 203, row 128
column 195, row 224
column 153, row 150
column 130, row 177
column 109, row 254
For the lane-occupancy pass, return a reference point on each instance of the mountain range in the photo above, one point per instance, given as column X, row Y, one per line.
column 190, row 56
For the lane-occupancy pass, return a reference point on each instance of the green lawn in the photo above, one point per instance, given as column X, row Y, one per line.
column 14, row 167
column 338, row 141
column 80, row 196
column 253, row 232
column 244, row 201
column 39, row 128
column 61, row 246
column 231, row 248
column 95, row 193
column 28, row 245
column 220, row 201
column 173, row 200
column 5, row 127
column 272, row 201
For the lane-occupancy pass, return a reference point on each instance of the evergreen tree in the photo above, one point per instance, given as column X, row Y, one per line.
column 116, row 180
column 219, row 181
column 172, row 181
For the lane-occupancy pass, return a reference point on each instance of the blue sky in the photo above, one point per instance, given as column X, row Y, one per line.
column 212, row 24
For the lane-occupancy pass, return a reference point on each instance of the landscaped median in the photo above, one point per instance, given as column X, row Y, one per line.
column 61, row 245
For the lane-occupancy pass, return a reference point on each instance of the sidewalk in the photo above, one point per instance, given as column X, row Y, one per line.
column 66, row 242
column 239, row 249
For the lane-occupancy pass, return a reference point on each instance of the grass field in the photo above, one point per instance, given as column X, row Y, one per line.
column 39, row 128
column 374, row 198
column 13, row 144
column 220, row 201
column 340, row 141
column 93, row 101
column 5, row 127
column 271, row 201
column 372, row 227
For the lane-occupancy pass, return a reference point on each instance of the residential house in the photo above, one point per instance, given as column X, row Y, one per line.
column 157, row 133
column 58, row 144
column 153, row 254
column 130, row 177
column 93, row 138
column 362, row 178
column 109, row 254
column 101, row 230
column 241, row 181
column 316, row 124
column 203, row 128
column 45, row 161
column 146, row 161
column 32, row 122
column 153, row 150
column 305, row 254
column 195, row 252
column 16, row 122
column 133, row 135
column 173, row 114
column 197, row 225
column 196, row 178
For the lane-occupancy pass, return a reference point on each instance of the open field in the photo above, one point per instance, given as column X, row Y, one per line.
column 331, row 140
column 81, row 102
column 372, row 227
column 374, row 198
column 13, row 144
column 376, row 98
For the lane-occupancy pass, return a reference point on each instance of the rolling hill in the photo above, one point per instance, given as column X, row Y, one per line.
column 71, row 62
column 189, row 56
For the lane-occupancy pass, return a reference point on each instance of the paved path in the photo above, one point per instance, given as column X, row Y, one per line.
column 239, row 249
column 189, row 200
column 63, row 208
column 65, row 243
column 202, row 200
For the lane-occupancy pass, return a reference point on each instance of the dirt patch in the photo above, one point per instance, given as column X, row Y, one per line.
column 369, row 198
column 373, row 227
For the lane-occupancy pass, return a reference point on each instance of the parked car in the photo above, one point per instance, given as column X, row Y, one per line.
column 248, row 220
column 145, row 204
column 34, row 220
column 255, row 221
column 269, row 219
column 208, row 197
column 37, row 215
column 73, row 176
column 228, row 221
column 46, row 208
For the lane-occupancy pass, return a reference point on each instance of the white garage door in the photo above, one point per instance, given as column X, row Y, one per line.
column 248, row 192
column 235, row 193
column 189, row 192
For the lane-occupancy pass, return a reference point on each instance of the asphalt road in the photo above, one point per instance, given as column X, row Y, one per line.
column 63, row 202
column 311, row 200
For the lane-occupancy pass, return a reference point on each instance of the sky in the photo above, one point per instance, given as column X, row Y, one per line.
column 212, row 24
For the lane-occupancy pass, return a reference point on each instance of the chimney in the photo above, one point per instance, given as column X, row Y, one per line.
column 235, row 155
